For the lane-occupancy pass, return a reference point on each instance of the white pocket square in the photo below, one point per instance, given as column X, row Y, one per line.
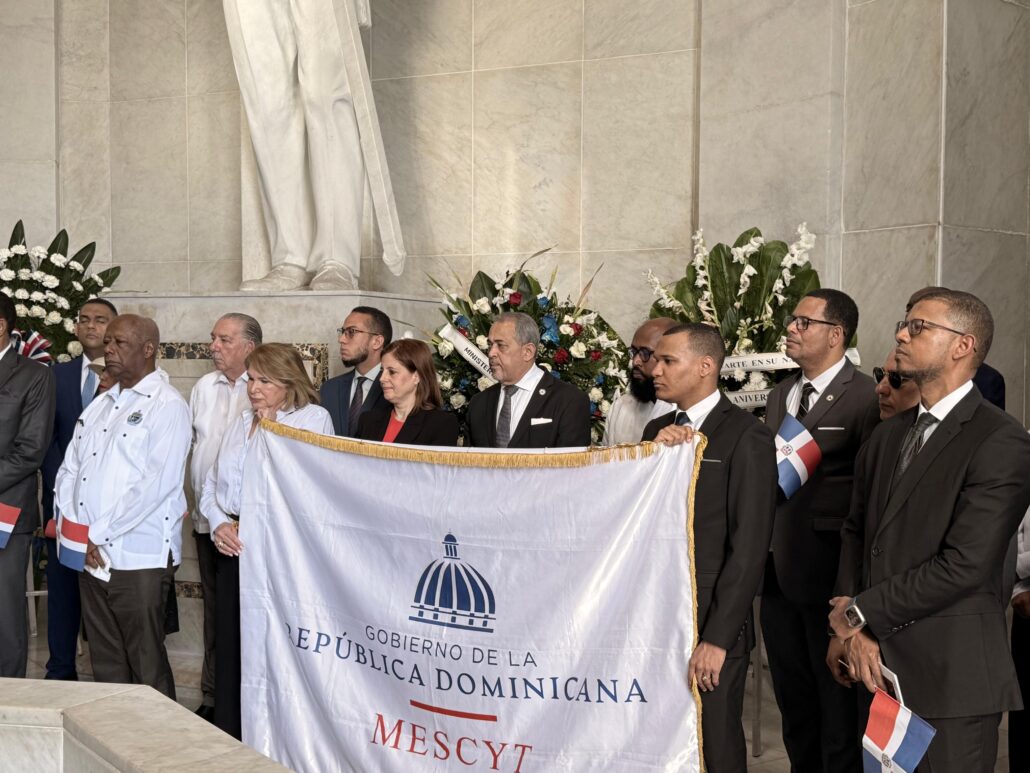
column 839, row 429
column 535, row 422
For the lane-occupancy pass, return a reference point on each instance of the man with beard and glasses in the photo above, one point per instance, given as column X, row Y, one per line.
column 633, row 410
column 365, row 333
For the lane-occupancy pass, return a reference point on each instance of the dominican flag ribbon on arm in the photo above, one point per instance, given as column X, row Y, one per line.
column 895, row 739
column 72, row 540
column 797, row 455
column 8, row 517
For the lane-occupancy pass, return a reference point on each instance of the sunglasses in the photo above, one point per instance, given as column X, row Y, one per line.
column 894, row 379
column 642, row 352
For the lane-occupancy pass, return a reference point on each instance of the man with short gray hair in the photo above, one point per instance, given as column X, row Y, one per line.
column 217, row 399
column 528, row 408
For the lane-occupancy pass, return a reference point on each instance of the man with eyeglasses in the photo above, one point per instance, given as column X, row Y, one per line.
column 939, row 492
column 364, row 334
column 837, row 405
column 895, row 393
column 633, row 410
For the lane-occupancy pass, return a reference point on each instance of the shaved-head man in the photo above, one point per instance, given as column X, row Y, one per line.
column 122, row 477
column 633, row 410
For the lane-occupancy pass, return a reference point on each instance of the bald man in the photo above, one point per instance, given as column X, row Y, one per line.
column 122, row 476
column 632, row 411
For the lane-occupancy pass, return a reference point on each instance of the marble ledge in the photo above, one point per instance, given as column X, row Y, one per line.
column 304, row 293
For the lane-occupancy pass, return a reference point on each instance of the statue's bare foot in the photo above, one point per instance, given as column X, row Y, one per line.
column 283, row 277
column 334, row 276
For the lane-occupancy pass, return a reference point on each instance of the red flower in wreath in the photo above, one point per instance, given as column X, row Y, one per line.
column 561, row 356
column 576, row 328
column 595, row 355
column 515, row 299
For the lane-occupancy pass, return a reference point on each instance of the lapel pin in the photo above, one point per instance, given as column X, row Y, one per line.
column 829, row 398
column 543, row 392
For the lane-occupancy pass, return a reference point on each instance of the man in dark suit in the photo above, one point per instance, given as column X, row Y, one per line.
column 838, row 406
column 26, row 421
column 536, row 410
column 365, row 333
column 76, row 385
column 939, row 491
column 733, row 517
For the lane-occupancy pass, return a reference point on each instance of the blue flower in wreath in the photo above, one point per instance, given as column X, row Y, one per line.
column 593, row 407
column 463, row 384
column 600, row 379
column 542, row 301
column 462, row 321
column 550, row 333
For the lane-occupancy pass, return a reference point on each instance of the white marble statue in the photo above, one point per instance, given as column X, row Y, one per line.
column 301, row 114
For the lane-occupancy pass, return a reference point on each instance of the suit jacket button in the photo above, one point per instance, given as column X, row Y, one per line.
column 876, row 551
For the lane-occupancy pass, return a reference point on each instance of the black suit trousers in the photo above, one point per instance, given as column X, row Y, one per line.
column 1019, row 721
column 725, row 749
column 64, row 616
column 228, row 669
column 14, row 620
column 820, row 718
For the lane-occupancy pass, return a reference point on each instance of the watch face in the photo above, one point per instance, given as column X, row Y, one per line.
column 854, row 618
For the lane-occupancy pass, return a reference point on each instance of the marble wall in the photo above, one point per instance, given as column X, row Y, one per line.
column 28, row 143
column 150, row 141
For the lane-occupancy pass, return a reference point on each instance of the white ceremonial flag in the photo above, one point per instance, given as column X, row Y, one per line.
column 408, row 609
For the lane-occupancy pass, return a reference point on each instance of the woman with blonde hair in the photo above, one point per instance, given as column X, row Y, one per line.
column 280, row 390
column 412, row 388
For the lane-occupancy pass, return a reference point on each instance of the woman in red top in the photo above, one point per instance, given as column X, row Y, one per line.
column 410, row 385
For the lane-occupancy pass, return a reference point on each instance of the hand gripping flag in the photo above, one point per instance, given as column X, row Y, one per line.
column 72, row 540
column 797, row 455
column 895, row 739
column 8, row 517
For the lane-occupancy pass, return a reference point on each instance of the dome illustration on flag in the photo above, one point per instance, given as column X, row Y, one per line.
column 454, row 594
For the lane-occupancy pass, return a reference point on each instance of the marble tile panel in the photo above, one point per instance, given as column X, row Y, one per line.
column 32, row 748
column 83, row 54
column 892, row 114
column 618, row 28
column 620, row 291
column 80, row 759
column 881, row 270
column 768, row 168
column 148, row 181
column 527, row 32
column 27, row 89
column 209, row 65
column 209, row 277
column 147, row 49
column 423, row 38
column 454, row 272
column 85, row 172
column 638, row 151
column 985, row 150
column 527, row 159
column 215, row 225
column 568, row 281
column 768, row 53
column 38, row 702
column 427, row 131
column 155, row 278
column 241, row 760
column 993, row 266
column 29, row 194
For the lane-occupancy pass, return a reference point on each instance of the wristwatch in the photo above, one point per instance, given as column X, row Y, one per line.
column 854, row 615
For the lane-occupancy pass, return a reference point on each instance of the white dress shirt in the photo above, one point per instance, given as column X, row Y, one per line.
column 123, row 472
column 626, row 420
column 520, row 399
column 4, row 352
column 820, row 383
column 223, row 486
column 371, row 376
column 943, row 407
column 215, row 404
column 1023, row 557
column 699, row 411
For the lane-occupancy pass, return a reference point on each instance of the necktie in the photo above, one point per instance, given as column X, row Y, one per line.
column 354, row 413
column 806, row 398
column 89, row 388
column 504, row 420
column 912, row 445
column 682, row 419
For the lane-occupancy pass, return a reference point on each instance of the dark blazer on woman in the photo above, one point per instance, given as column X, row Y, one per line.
column 434, row 427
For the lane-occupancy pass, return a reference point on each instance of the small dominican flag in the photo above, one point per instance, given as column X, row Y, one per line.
column 797, row 455
column 895, row 739
column 72, row 541
column 8, row 517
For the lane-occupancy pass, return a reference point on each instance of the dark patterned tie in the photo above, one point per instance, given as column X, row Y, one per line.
column 504, row 420
column 682, row 419
column 912, row 445
column 806, row 400
column 354, row 414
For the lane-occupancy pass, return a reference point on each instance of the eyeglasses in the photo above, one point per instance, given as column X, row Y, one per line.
column 894, row 379
column 642, row 352
column 915, row 327
column 803, row 322
column 350, row 332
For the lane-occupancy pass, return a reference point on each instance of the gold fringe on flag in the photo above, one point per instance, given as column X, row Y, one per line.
column 470, row 458
column 699, row 453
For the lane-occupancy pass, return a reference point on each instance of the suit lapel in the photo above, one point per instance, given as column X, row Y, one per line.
column 536, row 401
column 716, row 417
column 830, row 396
column 889, row 455
column 344, row 402
column 412, row 428
column 777, row 409
column 8, row 365
column 923, row 461
column 493, row 394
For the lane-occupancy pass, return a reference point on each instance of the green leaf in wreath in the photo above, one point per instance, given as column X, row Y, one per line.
column 17, row 235
column 724, row 278
column 59, row 245
column 745, row 237
column 483, row 286
column 85, row 256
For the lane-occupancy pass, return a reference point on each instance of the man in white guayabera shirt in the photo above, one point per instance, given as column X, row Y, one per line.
column 122, row 476
column 217, row 399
